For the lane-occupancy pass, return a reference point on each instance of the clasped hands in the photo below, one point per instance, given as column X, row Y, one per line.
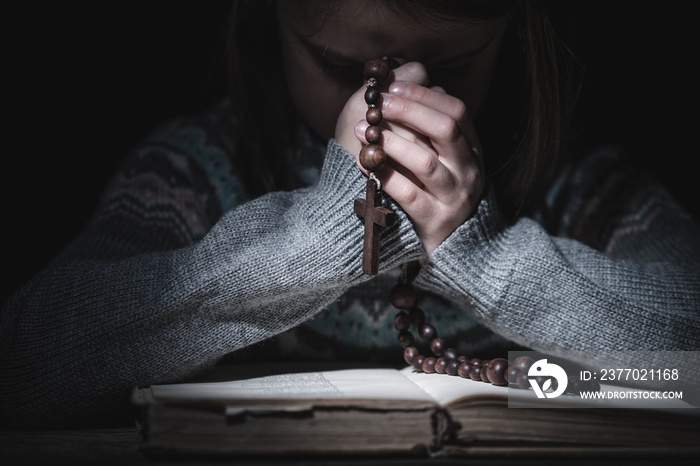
column 434, row 168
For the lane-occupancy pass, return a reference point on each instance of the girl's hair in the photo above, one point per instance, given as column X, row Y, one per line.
column 523, row 126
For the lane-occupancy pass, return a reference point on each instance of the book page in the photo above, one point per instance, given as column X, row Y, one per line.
column 358, row 384
column 449, row 389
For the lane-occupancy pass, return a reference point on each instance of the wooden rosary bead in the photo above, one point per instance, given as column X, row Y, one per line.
column 372, row 157
column 406, row 339
column 512, row 375
column 452, row 367
column 417, row 317
column 374, row 116
column 523, row 363
column 450, row 354
column 402, row 321
column 429, row 365
column 373, row 134
column 427, row 331
column 377, row 69
column 372, row 95
column 409, row 354
column 418, row 362
column 403, row 296
column 440, row 365
column 496, row 371
column 463, row 369
column 483, row 373
column 522, row 380
column 437, row 346
column 475, row 372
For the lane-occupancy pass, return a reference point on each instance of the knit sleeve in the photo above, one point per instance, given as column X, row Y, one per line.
column 618, row 272
column 112, row 313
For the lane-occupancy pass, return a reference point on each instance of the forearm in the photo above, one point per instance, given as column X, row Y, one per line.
column 264, row 268
column 562, row 297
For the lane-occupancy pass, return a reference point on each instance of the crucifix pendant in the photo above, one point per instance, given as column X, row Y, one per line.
column 375, row 217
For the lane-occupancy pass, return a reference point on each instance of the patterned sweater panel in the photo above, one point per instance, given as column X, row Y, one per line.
column 612, row 205
column 168, row 192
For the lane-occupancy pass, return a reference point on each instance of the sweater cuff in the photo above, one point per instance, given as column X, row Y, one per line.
column 341, row 182
column 464, row 260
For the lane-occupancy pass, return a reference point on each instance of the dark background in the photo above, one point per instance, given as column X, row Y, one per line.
column 85, row 84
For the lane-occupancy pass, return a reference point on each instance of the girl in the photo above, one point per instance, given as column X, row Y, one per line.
column 232, row 233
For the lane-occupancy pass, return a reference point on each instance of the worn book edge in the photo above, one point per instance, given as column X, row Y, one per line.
column 448, row 400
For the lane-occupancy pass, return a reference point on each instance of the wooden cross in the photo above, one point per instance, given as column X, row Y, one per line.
column 375, row 217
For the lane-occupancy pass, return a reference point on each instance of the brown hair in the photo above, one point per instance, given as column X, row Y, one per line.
column 532, row 97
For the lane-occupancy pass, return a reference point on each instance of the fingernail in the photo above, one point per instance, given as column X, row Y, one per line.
column 398, row 88
column 360, row 128
column 385, row 100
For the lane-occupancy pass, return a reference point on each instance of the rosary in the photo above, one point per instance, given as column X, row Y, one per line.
column 497, row 371
column 372, row 158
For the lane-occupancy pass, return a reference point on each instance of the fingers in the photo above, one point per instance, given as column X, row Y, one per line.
column 411, row 81
column 416, row 161
column 430, row 111
column 406, row 190
column 434, row 97
column 356, row 107
column 413, row 72
column 434, row 164
column 430, row 141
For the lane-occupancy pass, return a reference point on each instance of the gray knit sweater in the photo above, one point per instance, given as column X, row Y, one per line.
column 179, row 268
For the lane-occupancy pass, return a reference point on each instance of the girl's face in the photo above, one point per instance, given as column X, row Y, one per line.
column 324, row 55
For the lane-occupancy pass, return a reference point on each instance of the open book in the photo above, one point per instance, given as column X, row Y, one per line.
column 389, row 411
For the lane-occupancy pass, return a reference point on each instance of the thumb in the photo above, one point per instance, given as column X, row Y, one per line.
column 412, row 72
